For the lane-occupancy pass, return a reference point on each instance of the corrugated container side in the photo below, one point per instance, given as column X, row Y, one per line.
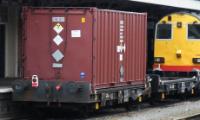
column 105, row 44
column 111, row 27
column 135, row 36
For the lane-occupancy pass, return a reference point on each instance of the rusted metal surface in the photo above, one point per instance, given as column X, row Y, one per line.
column 103, row 47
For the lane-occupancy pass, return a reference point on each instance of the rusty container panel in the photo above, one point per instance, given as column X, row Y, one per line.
column 103, row 47
column 119, row 48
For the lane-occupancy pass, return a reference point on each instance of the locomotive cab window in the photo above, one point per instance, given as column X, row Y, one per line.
column 194, row 31
column 164, row 31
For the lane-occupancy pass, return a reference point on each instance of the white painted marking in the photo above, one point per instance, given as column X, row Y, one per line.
column 121, row 22
column 121, row 37
column 120, row 57
column 121, row 26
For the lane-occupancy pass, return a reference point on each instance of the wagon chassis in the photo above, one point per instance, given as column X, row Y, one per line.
column 164, row 86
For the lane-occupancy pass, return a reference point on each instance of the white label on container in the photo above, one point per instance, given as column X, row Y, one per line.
column 121, row 48
column 58, row 19
column 57, row 65
column 75, row 33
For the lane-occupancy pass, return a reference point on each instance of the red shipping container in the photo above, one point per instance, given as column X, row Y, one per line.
column 106, row 48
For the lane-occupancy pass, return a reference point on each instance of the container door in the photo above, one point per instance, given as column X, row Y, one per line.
column 58, row 44
column 78, row 52
column 37, row 57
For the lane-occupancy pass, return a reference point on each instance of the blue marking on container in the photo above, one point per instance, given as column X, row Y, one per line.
column 82, row 75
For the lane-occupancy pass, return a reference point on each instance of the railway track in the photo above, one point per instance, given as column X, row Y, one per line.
column 106, row 114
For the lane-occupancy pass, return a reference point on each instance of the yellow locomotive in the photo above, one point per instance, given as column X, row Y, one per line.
column 177, row 43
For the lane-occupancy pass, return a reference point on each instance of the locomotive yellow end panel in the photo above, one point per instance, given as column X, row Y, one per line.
column 177, row 43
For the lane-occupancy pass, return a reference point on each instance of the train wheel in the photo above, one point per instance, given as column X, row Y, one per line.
column 129, row 105
column 39, row 114
column 86, row 110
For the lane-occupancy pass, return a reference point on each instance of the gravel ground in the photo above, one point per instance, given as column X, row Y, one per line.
column 175, row 111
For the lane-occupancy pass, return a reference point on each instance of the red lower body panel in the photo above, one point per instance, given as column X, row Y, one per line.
column 176, row 68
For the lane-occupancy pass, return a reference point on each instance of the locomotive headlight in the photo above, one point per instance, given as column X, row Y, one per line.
column 196, row 60
column 159, row 59
column 178, row 53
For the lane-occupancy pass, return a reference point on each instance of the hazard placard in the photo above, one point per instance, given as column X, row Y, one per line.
column 58, row 28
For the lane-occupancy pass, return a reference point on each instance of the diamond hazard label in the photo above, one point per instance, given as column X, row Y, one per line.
column 58, row 28
column 57, row 55
column 58, row 40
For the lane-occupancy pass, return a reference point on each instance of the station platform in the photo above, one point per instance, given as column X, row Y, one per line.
column 6, row 85
column 8, row 108
column 6, row 89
